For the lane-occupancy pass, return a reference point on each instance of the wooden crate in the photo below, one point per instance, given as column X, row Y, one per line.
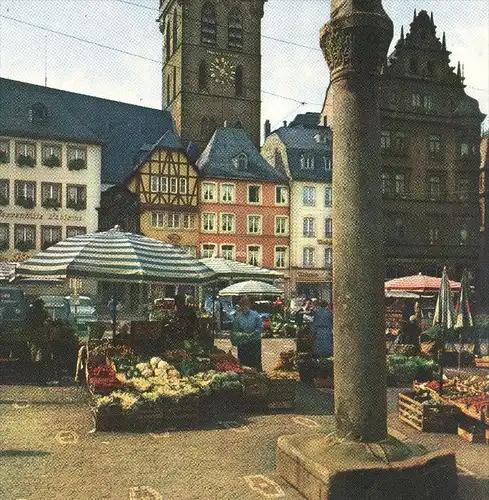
column 221, row 404
column 427, row 417
column 472, row 430
column 481, row 363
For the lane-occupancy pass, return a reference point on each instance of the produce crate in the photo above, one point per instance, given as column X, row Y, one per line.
column 110, row 418
column 221, row 404
column 482, row 363
column 281, row 394
column 472, row 430
column 427, row 417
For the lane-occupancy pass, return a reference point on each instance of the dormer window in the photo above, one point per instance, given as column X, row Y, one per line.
column 320, row 137
column 307, row 162
column 241, row 162
column 38, row 113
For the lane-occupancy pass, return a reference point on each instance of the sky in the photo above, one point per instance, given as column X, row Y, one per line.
column 293, row 66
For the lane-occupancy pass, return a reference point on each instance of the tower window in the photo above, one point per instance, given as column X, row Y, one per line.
column 208, row 28
column 168, row 40
column 175, row 30
column 235, row 30
column 238, row 81
column 203, row 76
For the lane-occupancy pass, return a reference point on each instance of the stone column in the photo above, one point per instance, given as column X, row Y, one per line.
column 355, row 43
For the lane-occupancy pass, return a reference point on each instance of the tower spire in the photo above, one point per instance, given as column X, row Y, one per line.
column 444, row 42
column 414, row 17
column 431, row 18
column 459, row 72
column 402, row 33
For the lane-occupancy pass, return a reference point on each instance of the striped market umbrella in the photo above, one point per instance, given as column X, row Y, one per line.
column 250, row 288
column 225, row 268
column 116, row 256
column 444, row 316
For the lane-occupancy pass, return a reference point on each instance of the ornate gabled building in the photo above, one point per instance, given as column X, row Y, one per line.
column 483, row 278
column 302, row 150
column 212, row 65
column 430, row 153
column 165, row 183
column 244, row 203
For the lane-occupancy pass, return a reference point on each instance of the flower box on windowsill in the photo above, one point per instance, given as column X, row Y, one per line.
column 51, row 203
column 26, row 161
column 3, row 201
column 4, row 157
column 77, row 164
column 25, row 202
column 25, row 246
column 52, row 161
column 76, row 205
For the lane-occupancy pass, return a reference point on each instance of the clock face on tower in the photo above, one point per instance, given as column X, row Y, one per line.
column 222, row 70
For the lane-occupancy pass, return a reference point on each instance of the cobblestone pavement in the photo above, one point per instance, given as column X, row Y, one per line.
column 48, row 450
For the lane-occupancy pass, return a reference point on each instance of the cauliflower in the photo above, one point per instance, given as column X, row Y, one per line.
column 164, row 365
column 160, row 373
column 155, row 361
column 147, row 372
column 143, row 366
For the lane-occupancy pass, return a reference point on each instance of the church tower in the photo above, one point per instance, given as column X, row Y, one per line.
column 212, row 65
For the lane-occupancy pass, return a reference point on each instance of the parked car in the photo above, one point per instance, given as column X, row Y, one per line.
column 57, row 307
column 82, row 311
column 13, row 307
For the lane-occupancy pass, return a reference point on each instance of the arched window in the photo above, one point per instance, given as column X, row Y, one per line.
column 238, row 81
column 235, row 30
column 175, row 30
column 208, row 27
column 168, row 40
column 278, row 159
column 203, row 76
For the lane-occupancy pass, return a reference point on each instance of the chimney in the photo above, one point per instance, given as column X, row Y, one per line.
column 285, row 123
column 268, row 128
column 325, row 121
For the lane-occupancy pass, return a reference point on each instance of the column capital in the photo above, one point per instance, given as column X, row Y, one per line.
column 356, row 41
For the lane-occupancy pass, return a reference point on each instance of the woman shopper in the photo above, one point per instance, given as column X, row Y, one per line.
column 249, row 321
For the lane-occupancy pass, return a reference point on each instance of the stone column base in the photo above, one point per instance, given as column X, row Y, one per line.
column 323, row 467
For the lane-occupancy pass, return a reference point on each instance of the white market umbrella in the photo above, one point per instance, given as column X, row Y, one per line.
column 250, row 288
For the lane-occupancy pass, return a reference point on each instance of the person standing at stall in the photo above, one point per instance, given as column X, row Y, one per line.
column 323, row 331
column 249, row 321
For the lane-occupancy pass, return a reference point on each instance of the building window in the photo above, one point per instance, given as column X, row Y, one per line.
column 203, row 76
column 400, row 185
column 434, row 235
column 235, row 30
column 281, row 225
column 328, row 196
column 435, row 188
column 25, row 237
column 427, row 102
column 208, row 191
column 50, row 195
column 328, row 228
column 157, row 219
column 77, row 158
column 307, row 162
column 182, row 188
column 208, row 251
column 240, row 162
column 400, row 142
column 434, row 145
column 309, row 196
column 238, row 81
column 254, row 194
column 280, row 257
column 385, row 139
column 76, row 197
column 328, row 256
column 208, row 27
column 399, row 230
column 168, row 40
column 72, row 231
column 309, row 227
column 189, row 221
column 416, row 100
column 254, row 255
column 281, row 195
column 4, row 192
column 463, row 189
column 51, row 155
column 173, row 220
column 209, row 222
column 464, row 236
column 254, row 224
column 50, row 235
column 4, row 237
column 227, row 252
column 25, row 154
column 228, row 223
column 155, row 183
column 386, row 184
column 25, row 194
column 308, row 256
column 327, row 162
column 173, row 185
column 4, row 151
column 227, row 193
column 163, row 184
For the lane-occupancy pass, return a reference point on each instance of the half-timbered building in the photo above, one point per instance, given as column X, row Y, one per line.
column 165, row 182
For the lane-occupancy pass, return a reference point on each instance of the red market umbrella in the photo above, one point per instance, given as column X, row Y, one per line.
column 418, row 283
